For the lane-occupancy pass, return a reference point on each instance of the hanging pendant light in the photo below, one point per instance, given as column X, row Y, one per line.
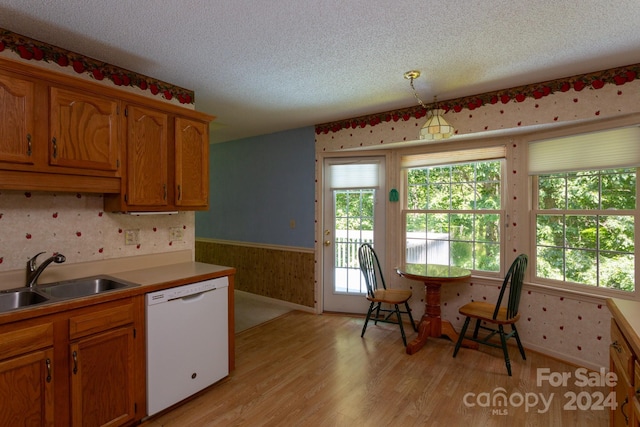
column 436, row 127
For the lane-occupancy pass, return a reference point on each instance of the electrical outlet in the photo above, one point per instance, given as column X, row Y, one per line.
column 131, row 237
column 176, row 234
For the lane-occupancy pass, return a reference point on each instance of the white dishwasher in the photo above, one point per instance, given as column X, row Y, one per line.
column 187, row 341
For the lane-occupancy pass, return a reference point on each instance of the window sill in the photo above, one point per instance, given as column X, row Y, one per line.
column 596, row 297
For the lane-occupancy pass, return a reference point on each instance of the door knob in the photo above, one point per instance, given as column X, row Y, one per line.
column 327, row 242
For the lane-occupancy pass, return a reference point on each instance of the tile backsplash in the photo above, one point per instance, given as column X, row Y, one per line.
column 76, row 225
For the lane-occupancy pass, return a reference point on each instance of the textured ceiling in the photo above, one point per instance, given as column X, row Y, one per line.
column 265, row 66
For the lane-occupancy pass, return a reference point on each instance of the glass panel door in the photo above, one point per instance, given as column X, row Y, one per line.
column 352, row 217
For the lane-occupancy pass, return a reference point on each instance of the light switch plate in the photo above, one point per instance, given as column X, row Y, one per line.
column 176, row 234
column 132, row 237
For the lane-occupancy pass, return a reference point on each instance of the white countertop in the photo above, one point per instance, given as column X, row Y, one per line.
column 169, row 274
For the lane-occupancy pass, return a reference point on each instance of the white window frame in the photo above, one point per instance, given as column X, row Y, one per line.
column 567, row 150
column 493, row 151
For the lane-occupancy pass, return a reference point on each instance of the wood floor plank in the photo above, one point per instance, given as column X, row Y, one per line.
column 314, row 370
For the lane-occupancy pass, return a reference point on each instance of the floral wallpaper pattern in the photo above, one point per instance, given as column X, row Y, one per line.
column 592, row 81
column 561, row 107
column 77, row 226
column 28, row 49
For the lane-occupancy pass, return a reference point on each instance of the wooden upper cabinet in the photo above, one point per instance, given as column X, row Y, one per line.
column 60, row 133
column 83, row 130
column 167, row 165
column 16, row 120
column 147, row 167
column 192, row 163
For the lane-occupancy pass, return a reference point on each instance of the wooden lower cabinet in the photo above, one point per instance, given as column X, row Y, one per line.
column 621, row 416
column 81, row 367
column 26, row 373
column 636, row 412
column 102, row 392
column 26, row 390
column 622, row 360
column 635, row 395
column 102, row 355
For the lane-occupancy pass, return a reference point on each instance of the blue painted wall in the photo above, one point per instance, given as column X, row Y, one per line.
column 258, row 185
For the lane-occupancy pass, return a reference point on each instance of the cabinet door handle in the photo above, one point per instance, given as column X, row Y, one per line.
column 164, row 188
column 55, row 147
column 75, row 362
column 616, row 346
column 28, row 144
column 48, row 362
column 179, row 193
column 626, row 418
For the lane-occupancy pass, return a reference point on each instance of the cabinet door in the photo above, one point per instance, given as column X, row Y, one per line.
column 146, row 157
column 635, row 396
column 620, row 363
column 192, row 163
column 83, row 130
column 621, row 415
column 16, row 120
column 102, row 379
column 26, row 390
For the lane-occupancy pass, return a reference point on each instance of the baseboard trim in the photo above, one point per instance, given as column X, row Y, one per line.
column 563, row 357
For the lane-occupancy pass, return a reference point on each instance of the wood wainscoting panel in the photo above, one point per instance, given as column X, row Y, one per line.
column 284, row 274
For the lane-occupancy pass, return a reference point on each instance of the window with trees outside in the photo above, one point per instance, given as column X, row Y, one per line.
column 454, row 210
column 585, row 208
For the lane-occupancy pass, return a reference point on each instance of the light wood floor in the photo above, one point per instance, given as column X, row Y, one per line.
column 303, row 369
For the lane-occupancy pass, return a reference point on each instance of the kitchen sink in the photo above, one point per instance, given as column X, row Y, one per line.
column 19, row 298
column 84, row 287
column 23, row 297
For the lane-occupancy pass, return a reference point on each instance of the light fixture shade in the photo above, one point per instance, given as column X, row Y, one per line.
column 436, row 126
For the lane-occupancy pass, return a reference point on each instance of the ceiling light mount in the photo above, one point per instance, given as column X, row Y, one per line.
column 412, row 75
column 436, row 126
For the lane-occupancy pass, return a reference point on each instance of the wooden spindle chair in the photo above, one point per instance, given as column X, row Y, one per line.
column 494, row 318
column 378, row 294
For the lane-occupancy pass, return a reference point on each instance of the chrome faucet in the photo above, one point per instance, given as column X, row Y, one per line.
column 33, row 273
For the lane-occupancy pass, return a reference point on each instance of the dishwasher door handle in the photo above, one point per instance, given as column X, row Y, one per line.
column 192, row 297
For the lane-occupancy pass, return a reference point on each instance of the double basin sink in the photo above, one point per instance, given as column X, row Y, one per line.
column 23, row 297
